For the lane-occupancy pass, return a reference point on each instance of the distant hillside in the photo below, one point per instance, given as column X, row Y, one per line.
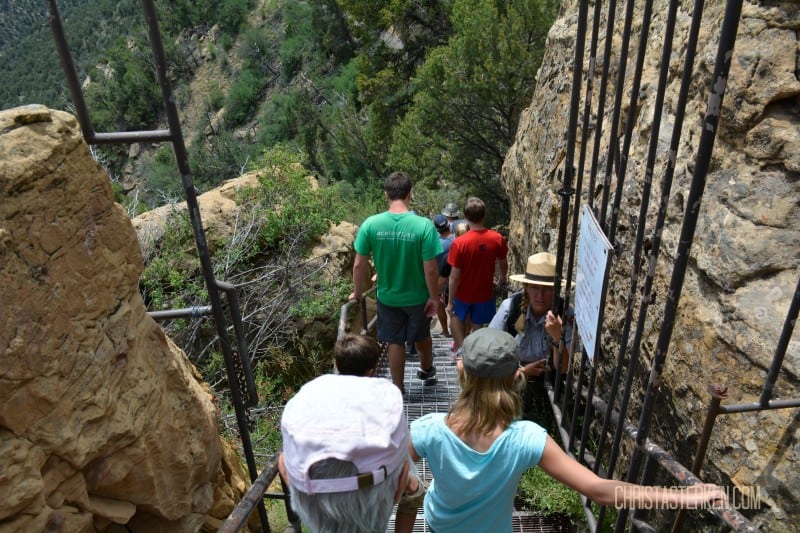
column 29, row 64
column 357, row 87
column 19, row 18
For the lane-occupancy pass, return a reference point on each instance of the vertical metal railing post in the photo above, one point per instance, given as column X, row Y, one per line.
column 578, row 399
column 174, row 136
column 587, row 414
column 636, row 83
column 587, row 108
column 182, row 158
column 616, row 110
column 566, row 192
column 718, row 393
column 719, row 80
column 68, row 66
column 244, row 352
column 642, row 221
column 601, row 100
column 780, row 350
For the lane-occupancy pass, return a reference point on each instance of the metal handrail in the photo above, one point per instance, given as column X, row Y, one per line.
column 344, row 313
column 174, row 136
column 254, row 495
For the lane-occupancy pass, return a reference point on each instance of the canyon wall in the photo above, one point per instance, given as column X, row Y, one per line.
column 744, row 260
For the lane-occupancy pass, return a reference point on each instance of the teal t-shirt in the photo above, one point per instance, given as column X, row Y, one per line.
column 474, row 491
column 399, row 243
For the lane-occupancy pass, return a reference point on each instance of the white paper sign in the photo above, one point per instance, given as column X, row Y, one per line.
column 593, row 262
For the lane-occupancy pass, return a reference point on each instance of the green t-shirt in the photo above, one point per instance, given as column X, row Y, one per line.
column 399, row 244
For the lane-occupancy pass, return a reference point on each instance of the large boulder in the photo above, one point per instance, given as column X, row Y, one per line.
column 103, row 420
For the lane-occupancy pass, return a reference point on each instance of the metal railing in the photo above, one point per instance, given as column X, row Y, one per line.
column 576, row 403
column 237, row 361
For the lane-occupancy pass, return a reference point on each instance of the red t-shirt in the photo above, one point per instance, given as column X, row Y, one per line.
column 475, row 253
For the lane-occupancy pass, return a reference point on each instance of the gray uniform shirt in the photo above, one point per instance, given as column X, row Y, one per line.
column 535, row 343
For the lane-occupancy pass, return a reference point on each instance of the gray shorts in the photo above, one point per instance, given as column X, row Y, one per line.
column 398, row 325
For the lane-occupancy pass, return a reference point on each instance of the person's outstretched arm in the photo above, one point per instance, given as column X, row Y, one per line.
column 620, row 494
column 360, row 268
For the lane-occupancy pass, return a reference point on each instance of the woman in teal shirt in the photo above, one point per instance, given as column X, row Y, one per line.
column 478, row 451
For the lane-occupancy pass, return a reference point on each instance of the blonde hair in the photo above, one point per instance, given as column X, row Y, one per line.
column 523, row 313
column 485, row 402
column 461, row 229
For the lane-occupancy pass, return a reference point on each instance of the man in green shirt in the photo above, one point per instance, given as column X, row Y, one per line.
column 404, row 247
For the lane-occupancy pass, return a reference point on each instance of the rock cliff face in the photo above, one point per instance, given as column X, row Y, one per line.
column 746, row 251
column 102, row 419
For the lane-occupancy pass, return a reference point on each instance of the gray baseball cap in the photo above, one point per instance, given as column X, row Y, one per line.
column 490, row 353
column 450, row 210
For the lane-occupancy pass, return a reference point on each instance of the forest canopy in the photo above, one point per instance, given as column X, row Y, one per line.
column 359, row 88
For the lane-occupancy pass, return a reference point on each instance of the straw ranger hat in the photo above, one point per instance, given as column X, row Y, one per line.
column 540, row 270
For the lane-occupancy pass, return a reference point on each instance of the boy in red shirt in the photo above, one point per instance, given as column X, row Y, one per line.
column 473, row 257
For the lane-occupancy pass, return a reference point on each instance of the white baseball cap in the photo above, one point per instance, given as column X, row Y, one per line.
column 349, row 418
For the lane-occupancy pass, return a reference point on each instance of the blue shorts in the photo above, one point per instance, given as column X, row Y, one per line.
column 398, row 325
column 479, row 313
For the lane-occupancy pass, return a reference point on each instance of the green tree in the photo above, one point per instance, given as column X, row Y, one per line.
column 394, row 38
column 125, row 95
column 469, row 96
column 317, row 84
column 244, row 96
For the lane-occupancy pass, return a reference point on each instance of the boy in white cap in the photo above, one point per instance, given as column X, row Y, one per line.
column 345, row 452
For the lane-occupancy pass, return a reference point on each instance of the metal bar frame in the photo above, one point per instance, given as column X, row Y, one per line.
column 579, row 390
column 578, row 386
column 174, row 136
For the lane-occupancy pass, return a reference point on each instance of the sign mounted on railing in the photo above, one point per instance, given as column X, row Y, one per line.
column 593, row 263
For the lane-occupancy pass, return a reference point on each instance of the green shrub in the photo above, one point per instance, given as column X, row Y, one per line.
column 164, row 183
column 218, row 158
column 362, row 198
column 226, row 42
column 293, row 212
column 232, row 13
column 216, row 99
column 125, row 96
column 244, row 96
column 323, row 301
column 169, row 279
column 298, row 38
column 544, row 494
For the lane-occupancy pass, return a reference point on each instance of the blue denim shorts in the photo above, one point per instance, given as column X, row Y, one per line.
column 480, row 313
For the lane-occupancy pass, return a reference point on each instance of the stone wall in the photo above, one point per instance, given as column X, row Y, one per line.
column 102, row 419
column 744, row 260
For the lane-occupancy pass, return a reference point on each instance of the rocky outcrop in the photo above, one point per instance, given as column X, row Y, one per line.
column 102, row 419
column 746, row 251
column 219, row 208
